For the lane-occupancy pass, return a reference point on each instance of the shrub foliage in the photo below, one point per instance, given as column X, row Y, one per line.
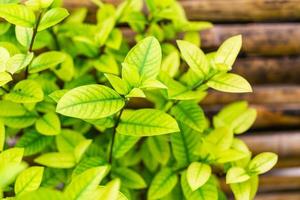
column 73, row 125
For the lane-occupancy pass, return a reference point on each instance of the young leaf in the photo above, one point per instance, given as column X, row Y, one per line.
column 194, row 57
column 18, row 62
column 90, row 102
column 46, row 60
column 207, row 191
column 228, row 51
column 229, row 83
column 67, row 140
column 236, row 175
column 171, row 64
column 4, row 78
column 48, row 124
column 56, row 160
column 83, row 185
column 129, row 178
column 24, row 35
column 162, row 183
column 118, row 84
column 197, row 174
column 17, row 14
column 29, row 180
column 146, row 122
column 262, row 163
column 81, row 149
column 146, row 58
column 245, row 190
column 4, row 54
column 111, row 190
column 221, row 138
column 52, row 17
column 189, row 113
column 26, row 91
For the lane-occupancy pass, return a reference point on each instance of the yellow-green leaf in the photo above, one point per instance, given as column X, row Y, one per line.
column 197, row 174
column 26, row 91
column 29, row 180
column 17, row 14
column 146, row 122
column 48, row 124
column 90, row 102
column 227, row 82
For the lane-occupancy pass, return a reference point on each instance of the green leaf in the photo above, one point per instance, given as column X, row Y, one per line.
column 81, row 148
column 146, row 58
column 163, row 183
column 118, row 84
column 4, row 54
column 46, row 60
column 262, row 163
column 87, row 163
column 171, row 64
column 229, row 83
column 228, row 51
column 29, row 180
column 207, row 191
column 197, row 175
column 20, row 122
column 237, row 116
column 111, row 190
column 9, row 109
column 136, row 92
column 184, row 144
column 67, row 140
column 33, row 142
column 26, row 91
column 236, row 175
column 56, row 160
column 5, row 78
column 115, row 38
column 159, row 148
column 129, row 178
column 190, row 113
column 24, row 35
column 12, row 155
column 2, row 136
column 90, row 102
column 153, row 84
column 146, row 122
column 194, row 57
column 17, row 14
column 245, row 190
column 230, row 155
column 123, row 143
column 48, row 124
column 42, row 193
column 104, row 30
column 221, row 138
column 18, row 62
column 52, row 17
column 83, row 185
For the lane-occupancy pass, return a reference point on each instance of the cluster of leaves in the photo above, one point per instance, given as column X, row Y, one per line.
column 68, row 87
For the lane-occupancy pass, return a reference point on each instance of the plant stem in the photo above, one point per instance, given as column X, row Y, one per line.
column 35, row 29
column 5, row 90
column 110, row 158
column 57, row 45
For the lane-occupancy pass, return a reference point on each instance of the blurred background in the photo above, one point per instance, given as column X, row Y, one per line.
column 270, row 61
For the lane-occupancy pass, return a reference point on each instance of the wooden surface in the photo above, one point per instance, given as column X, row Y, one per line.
column 226, row 10
column 258, row 39
column 270, row 60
